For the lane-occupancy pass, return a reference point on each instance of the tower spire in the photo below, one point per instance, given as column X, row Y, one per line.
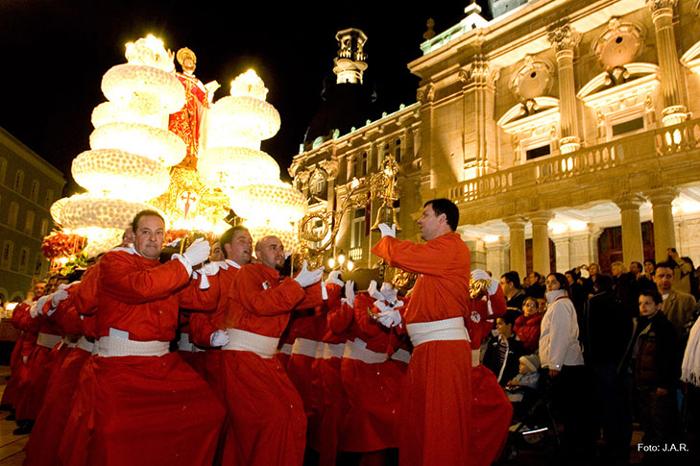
column 350, row 63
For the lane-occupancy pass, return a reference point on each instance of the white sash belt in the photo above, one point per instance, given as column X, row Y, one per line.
column 305, row 347
column 108, row 347
column 184, row 344
column 241, row 340
column 47, row 340
column 86, row 345
column 438, row 330
column 475, row 357
column 286, row 349
column 357, row 349
column 401, row 355
column 333, row 350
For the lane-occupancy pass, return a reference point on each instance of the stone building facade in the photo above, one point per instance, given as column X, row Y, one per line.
column 28, row 187
column 560, row 129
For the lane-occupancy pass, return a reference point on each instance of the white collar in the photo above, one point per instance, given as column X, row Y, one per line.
column 232, row 263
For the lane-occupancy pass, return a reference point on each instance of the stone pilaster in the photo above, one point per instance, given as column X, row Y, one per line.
column 516, row 225
column 632, row 247
column 662, row 216
column 496, row 260
column 563, row 253
column 565, row 40
column 540, row 241
column 672, row 82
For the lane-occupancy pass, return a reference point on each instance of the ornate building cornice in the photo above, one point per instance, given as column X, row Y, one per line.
column 563, row 37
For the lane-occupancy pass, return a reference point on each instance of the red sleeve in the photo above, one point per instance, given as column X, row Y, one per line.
column 193, row 297
column 201, row 327
column 312, row 297
column 340, row 318
column 413, row 257
column 67, row 318
column 85, row 296
column 118, row 277
column 363, row 305
column 249, row 291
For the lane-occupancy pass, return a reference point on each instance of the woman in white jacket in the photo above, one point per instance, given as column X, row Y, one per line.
column 562, row 361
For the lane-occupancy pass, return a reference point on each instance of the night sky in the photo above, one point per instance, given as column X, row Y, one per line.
column 55, row 53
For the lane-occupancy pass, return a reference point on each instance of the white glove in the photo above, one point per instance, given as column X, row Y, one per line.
column 387, row 230
column 36, row 308
column 373, row 291
column 334, row 277
column 219, row 338
column 388, row 316
column 389, row 293
column 308, row 277
column 210, row 268
column 350, row 293
column 478, row 274
column 197, row 252
column 57, row 297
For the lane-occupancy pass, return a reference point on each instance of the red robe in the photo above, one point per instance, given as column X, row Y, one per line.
column 372, row 390
column 491, row 409
column 18, row 368
column 142, row 410
column 436, row 400
column 268, row 425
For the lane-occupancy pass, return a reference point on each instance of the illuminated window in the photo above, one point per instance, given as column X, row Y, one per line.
column 358, row 228
column 3, row 170
column 397, row 151
column 44, row 227
column 363, row 164
column 49, row 198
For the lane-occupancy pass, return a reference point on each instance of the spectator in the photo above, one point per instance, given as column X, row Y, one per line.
column 692, row 277
column 649, row 268
column 606, row 332
column 577, row 292
column 624, row 284
column 593, row 271
column 654, row 364
column 690, row 375
column 681, row 270
column 562, row 359
column 510, row 284
column 677, row 306
column 522, row 389
column 527, row 326
column 503, row 349
column 535, row 287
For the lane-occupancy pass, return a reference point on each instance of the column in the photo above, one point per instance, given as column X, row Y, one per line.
column 563, row 254
column 672, row 82
column 632, row 248
column 564, row 39
column 540, row 242
column 580, row 250
column 496, row 258
column 516, row 225
column 662, row 216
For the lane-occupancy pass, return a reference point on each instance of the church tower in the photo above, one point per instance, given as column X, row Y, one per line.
column 350, row 62
column 501, row 7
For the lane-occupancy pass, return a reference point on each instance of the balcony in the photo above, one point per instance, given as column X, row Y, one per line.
column 632, row 154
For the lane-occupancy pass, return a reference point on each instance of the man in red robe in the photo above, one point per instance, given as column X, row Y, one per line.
column 144, row 404
column 266, row 412
column 436, row 399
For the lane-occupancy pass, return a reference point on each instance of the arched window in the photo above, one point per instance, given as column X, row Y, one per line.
column 19, row 181
column 44, row 230
column 49, row 198
column 3, row 169
column 29, row 223
column 34, row 193
column 12, row 214
column 317, row 184
column 8, row 248
column 23, row 260
column 397, row 151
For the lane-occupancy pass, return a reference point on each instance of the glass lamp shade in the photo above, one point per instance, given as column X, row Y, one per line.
column 248, row 84
column 231, row 167
column 157, row 90
column 279, row 201
column 56, row 209
column 110, row 112
column 287, row 233
column 155, row 143
column 89, row 210
column 120, row 174
column 248, row 116
column 99, row 240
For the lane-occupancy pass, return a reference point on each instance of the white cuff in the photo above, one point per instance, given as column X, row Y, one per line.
column 186, row 263
column 324, row 291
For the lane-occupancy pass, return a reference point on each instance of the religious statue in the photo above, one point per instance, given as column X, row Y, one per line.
column 188, row 122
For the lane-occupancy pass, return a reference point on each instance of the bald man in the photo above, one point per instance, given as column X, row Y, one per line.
column 268, row 424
